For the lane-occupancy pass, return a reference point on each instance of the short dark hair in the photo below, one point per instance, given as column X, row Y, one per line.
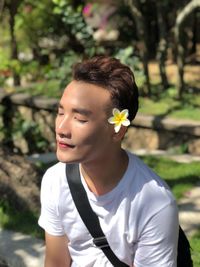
column 112, row 75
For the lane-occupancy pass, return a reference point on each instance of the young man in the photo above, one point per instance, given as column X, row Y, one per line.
column 136, row 210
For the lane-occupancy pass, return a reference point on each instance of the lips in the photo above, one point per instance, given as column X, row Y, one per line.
column 64, row 145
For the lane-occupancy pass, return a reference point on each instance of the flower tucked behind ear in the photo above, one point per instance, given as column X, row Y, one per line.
column 119, row 119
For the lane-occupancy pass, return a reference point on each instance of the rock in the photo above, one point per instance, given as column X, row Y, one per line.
column 194, row 147
column 19, row 181
column 137, row 138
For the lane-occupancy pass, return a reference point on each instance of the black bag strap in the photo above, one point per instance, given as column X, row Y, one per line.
column 184, row 258
column 88, row 216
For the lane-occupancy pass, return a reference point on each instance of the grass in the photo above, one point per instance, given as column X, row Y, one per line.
column 167, row 105
column 195, row 245
column 12, row 219
column 181, row 177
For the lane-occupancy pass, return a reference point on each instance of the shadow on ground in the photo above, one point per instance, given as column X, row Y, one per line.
column 20, row 250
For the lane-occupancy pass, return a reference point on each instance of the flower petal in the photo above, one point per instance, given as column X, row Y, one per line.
column 112, row 120
column 117, row 127
column 124, row 113
column 126, row 122
column 116, row 112
column 119, row 118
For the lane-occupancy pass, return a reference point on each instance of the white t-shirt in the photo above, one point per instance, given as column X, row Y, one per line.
column 139, row 218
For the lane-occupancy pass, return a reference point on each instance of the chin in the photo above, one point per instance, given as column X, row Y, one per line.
column 62, row 157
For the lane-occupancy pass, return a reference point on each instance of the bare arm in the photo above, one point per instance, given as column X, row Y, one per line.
column 57, row 253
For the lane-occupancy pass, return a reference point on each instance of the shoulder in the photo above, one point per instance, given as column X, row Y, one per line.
column 56, row 168
column 149, row 187
column 53, row 178
column 55, row 171
column 145, row 176
column 54, row 188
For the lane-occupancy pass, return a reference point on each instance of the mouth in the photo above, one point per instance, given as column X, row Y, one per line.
column 64, row 145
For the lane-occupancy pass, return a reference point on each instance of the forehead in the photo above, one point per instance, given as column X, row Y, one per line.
column 86, row 95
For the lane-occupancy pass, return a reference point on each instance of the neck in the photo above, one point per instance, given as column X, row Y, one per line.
column 103, row 175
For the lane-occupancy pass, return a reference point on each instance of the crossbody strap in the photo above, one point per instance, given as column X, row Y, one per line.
column 88, row 216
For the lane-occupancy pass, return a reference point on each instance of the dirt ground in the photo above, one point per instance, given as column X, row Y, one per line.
column 191, row 75
column 191, row 70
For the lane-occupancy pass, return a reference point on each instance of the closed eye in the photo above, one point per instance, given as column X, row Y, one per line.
column 81, row 120
column 60, row 112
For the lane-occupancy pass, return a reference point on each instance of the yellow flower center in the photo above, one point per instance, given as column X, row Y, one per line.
column 119, row 118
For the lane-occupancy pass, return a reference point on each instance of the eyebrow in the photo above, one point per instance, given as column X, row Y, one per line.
column 81, row 111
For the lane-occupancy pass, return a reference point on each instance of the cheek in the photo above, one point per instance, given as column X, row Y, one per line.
column 84, row 134
column 96, row 136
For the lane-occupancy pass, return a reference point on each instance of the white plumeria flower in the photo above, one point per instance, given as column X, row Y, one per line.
column 119, row 118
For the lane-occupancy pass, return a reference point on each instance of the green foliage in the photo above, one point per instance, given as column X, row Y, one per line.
column 8, row 67
column 30, row 70
column 76, row 27
column 30, row 130
column 62, row 69
column 179, row 149
column 34, row 20
column 48, row 88
column 126, row 56
column 195, row 245
column 11, row 218
column 73, row 19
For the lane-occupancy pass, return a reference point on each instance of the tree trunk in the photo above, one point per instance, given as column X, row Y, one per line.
column 183, row 15
column 162, row 46
column 1, row 6
column 7, row 119
column 12, row 7
column 195, row 33
column 134, row 6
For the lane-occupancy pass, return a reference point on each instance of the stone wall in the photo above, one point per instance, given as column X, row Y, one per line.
column 38, row 111
column 146, row 132
column 150, row 132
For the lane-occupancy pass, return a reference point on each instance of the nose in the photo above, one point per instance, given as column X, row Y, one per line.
column 63, row 126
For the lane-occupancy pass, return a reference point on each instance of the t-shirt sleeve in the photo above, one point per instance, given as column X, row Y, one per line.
column 157, row 246
column 49, row 218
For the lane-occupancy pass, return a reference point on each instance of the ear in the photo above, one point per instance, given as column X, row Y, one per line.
column 118, row 137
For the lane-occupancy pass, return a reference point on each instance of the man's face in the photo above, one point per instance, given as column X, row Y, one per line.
column 83, row 133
